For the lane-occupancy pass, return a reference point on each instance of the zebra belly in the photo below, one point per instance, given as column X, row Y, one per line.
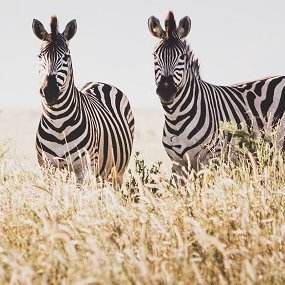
column 61, row 155
column 186, row 152
column 80, row 160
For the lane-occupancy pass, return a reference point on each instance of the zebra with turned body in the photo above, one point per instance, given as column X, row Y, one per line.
column 195, row 110
column 79, row 129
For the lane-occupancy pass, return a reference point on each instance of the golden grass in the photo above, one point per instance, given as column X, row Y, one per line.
column 225, row 227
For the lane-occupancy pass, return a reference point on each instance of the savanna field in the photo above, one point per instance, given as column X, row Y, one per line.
column 225, row 226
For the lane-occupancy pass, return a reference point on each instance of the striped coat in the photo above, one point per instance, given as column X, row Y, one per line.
column 91, row 129
column 196, row 110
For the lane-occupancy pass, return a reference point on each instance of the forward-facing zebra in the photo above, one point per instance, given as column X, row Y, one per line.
column 195, row 109
column 91, row 128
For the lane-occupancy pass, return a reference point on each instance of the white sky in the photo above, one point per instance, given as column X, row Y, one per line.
column 235, row 41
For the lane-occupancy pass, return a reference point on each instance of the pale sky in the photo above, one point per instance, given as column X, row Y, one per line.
column 235, row 41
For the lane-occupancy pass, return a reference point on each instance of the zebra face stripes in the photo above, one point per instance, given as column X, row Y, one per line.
column 195, row 113
column 55, row 60
column 170, row 56
column 169, row 66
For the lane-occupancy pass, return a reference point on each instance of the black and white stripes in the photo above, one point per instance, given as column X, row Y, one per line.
column 195, row 110
column 88, row 128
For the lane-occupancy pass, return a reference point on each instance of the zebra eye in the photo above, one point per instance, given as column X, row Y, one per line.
column 182, row 57
column 39, row 55
column 66, row 57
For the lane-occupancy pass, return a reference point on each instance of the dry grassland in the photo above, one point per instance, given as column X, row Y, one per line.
column 226, row 226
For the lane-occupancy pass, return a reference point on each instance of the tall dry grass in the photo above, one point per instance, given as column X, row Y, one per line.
column 226, row 226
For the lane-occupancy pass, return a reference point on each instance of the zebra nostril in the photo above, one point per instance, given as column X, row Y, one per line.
column 165, row 84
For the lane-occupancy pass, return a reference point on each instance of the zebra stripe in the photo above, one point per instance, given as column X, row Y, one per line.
column 88, row 128
column 195, row 110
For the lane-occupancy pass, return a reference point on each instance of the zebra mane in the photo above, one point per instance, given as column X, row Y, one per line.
column 53, row 27
column 193, row 63
column 170, row 25
column 53, row 24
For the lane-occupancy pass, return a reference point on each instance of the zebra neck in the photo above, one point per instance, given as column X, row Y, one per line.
column 186, row 99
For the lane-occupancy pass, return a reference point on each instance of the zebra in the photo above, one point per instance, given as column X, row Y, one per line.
column 195, row 110
column 91, row 128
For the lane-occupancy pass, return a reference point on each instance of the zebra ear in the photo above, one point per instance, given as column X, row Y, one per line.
column 39, row 30
column 184, row 27
column 70, row 30
column 155, row 27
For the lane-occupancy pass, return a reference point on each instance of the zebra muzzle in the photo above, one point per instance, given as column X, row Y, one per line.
column 166, row 89
column 50, row 90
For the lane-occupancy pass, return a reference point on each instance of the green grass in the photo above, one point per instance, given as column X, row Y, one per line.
column 226, row 226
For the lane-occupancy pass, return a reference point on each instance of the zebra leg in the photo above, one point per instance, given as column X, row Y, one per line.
column 280, row 131
column 79, row 177
column 180, row 172
column 119, row 181
column 115, row 178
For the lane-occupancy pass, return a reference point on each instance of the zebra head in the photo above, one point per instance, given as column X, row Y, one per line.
column 170, row 55
column 55, row 60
